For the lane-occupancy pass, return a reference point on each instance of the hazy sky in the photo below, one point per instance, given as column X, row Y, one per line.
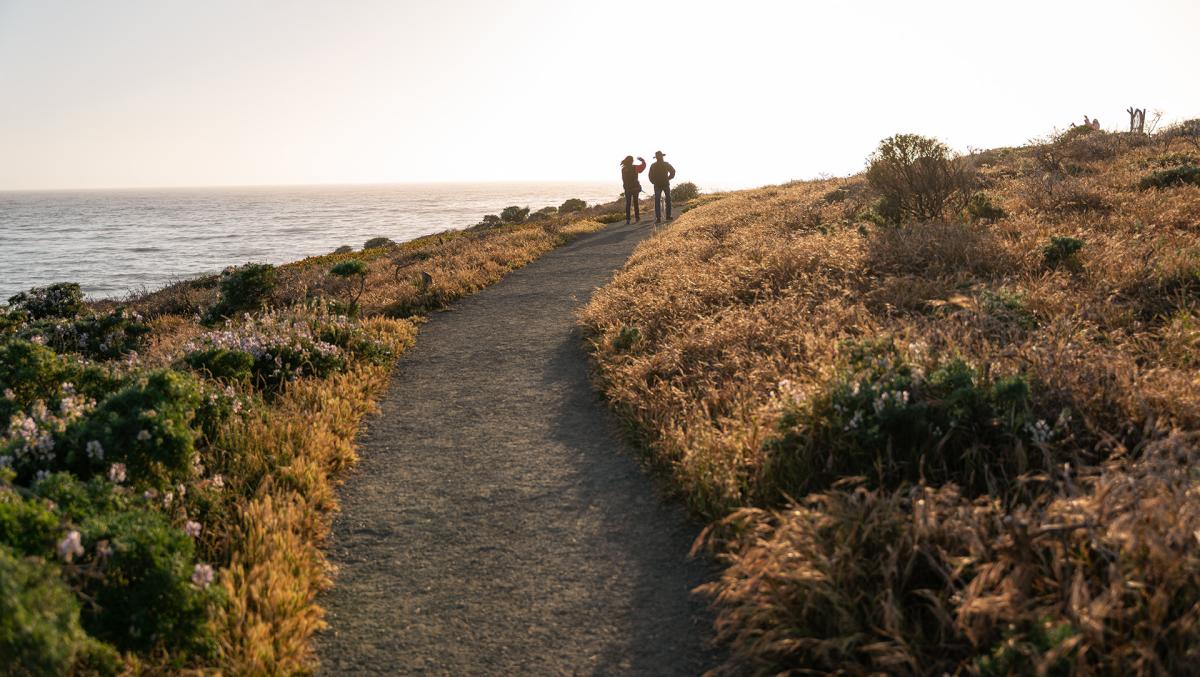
column 214, row 92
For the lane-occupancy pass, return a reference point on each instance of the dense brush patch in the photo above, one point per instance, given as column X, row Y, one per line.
column 959, row 445
column 167, row 467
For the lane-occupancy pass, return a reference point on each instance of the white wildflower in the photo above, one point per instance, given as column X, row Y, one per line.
column 94, row 450
column 202, row 575
column 71, row 546
column 143, row 435
column 116, row 473
column 192, row 528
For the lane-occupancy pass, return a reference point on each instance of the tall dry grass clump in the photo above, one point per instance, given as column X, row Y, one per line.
column 958, row 442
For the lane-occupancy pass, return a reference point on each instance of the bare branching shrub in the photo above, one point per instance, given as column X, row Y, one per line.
column 919, row 177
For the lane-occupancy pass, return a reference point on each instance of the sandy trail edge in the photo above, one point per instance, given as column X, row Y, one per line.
column 496, row 522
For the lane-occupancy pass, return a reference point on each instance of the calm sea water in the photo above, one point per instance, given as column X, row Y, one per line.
column 116, row 241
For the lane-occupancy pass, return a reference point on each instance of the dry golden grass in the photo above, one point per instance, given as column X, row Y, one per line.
column 459, row 263
column 280, row 462
column 744, row 312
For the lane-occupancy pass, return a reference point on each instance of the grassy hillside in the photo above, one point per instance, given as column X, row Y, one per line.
column 169, row 463
column 948, row 438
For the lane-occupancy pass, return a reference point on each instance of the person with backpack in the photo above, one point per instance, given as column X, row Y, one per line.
column 661, row 173
column 633, row 187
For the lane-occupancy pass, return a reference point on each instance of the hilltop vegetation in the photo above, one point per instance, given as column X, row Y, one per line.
column 944, row 414
column 167, row 466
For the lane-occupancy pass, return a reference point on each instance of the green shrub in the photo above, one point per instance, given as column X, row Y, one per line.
column 234, row 366
column 64, row 300
column 28, row 372
column 572, row 205
column 137, row 570
column 146, row 598
column 40, row 632
column 882, row 212
column 611, row 217
column 980, row 208
column 1168, row 178
column 918, row 176
column 286, row 346
column 376, row 242
column 96, row 336
column 514, row 214
column 883, row 417
column 626, row 338
column 28, row 527
column 352, row 268
column 146, row 426
column 684, row 192
column 490, row 221
column 344, row 249
column 243, row 289
column 1062, row 250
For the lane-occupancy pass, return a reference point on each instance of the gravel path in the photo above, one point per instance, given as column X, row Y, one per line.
column 496, row 522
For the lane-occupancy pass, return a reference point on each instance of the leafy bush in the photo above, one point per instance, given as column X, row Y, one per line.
column 146, row 597
column 146, row 426
column 28, row 527
column 349, row 269
column 28, row 372
column 242, row 289
column 376, row 242
column 543, row 214
column 572, row 205
column 489, row 221
column 344, row 249
column 40, row 632
column 234, row 366
column 64, row 299
column 96, row 336
column 1062, row 250
column 287, row 345
column 885, row 418
column 980, row 208
column 1168, row 178
column 684, row 192
column 917, row 175
column 514, row 214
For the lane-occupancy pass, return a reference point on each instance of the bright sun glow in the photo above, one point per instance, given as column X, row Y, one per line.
column 150, row 93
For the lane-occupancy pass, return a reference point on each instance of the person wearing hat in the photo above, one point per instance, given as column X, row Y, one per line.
column 633, row 187
column 661, row 173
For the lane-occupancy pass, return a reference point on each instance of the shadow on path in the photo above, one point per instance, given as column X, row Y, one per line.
column 496, row 522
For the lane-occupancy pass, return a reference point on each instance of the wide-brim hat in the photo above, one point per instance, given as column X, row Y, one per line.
column 659, row 153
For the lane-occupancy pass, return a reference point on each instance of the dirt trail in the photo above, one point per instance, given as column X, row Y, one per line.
column 496, row 522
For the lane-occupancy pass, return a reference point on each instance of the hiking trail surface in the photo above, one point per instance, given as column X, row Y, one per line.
column 496, row 521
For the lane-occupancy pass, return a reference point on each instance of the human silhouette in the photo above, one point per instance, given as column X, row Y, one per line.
column 633, row 187
column 661, row 173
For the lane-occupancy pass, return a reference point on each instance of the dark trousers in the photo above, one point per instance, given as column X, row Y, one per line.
column 664, row 190
column 631, row 197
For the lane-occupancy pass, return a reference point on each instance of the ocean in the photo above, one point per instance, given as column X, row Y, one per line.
column 115, row 242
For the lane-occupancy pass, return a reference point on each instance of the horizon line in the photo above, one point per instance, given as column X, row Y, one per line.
column 194, row 186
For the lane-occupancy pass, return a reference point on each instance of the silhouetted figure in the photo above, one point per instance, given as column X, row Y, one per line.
column 661, row 173
column 633, row 187
column 1087, row 122
column 1095, row 123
